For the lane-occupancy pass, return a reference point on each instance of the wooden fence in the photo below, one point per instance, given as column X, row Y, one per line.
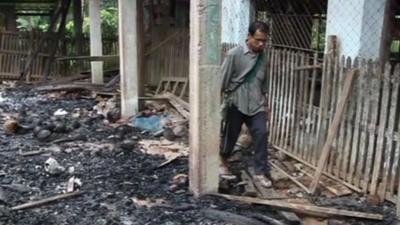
column 304, row 94
column 168, row 58
column 15, row 48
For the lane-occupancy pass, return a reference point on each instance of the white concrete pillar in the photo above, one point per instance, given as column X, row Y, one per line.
column 359, row 26
column 96, row 45
column 234, row 30
column 128, row 51
column 205, row 81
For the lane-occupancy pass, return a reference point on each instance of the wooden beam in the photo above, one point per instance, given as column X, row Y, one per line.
column 129, row 66
column 32, row 57
column 45, row 201
column 307, row 209
column 298, row 183
column 55, row 38
column 89, row 58
column 205, row 51
column 334, row 127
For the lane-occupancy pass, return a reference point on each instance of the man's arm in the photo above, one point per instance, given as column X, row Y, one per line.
column 227, row 69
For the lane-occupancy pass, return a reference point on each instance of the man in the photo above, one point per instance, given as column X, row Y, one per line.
column 244, row 90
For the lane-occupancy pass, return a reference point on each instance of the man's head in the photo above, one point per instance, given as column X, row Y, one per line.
column 258, row 36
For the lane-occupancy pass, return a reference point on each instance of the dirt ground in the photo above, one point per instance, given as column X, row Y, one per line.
column 120, row 184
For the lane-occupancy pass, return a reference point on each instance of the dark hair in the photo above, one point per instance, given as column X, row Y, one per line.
column 258, row 26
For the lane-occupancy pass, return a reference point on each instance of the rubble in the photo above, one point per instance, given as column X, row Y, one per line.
column 123, row 174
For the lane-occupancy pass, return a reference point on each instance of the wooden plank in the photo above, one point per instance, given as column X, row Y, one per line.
column 285, row 87
column 273, row 95
column 351, row 147
column 289, row 101
column 371, row 127
column 102, row 58
column 321, row 108
column 366, row 114
column 309, row 118
column 333, row 128
column 307, row 209
column 352, row 187
column 45, row 201
column 299, row 141
column 377, row 159
column 336, row 154
column 295, row 115
column 331, row 185
column 325, row 113
column 278, row 96
column 341, row 160
column 333, row 102
column 298, row 183
column 303, row 107
column 307, row 138
column 390, row 147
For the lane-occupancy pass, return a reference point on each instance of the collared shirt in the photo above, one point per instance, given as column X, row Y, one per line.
column 249, row 96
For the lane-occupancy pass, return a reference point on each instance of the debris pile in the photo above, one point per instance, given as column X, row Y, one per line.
column 67, row 157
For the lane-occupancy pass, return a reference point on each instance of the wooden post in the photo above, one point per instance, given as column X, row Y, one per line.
column 129, row 67
column 141, row 47
column 96, row 47
column 205, row 47
column 78, row 23
column 56, row 37
column 333, row 129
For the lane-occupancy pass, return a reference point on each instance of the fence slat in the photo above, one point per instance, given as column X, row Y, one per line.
column 389, row 149
column 297, row 147
column 356, row 118
column 271, row 92
column 280, row 98
column 370, row 128
column 290, row 122
column 331, row 108
column 276, row 107
column 341, row 134
column 361, row 144
column 300, row 107
column 285, row 102
column 381, row 131
column 309, row 119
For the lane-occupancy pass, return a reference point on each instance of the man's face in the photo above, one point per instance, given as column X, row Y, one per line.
column 257, row 41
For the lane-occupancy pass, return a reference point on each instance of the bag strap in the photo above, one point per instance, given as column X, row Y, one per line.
column 251, row 74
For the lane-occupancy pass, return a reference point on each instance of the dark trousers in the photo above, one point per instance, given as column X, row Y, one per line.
column 257, row 125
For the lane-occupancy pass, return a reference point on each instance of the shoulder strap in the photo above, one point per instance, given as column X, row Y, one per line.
column 253, row 72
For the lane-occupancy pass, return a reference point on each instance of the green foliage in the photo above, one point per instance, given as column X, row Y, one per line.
column 109, row 26
column 28, row 23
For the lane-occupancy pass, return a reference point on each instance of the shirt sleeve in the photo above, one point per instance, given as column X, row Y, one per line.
column 227, row 70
